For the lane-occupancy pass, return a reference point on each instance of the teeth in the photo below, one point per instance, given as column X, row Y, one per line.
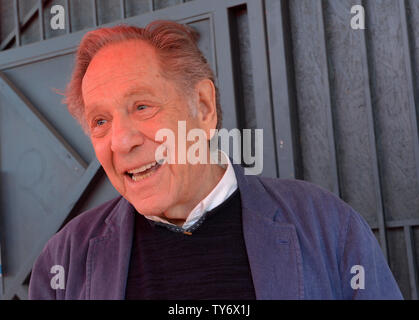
column 137, row 178
column 143, row 168
column 136, row 173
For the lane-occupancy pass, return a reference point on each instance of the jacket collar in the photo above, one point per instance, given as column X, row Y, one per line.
column 272, row 247
column 109, row 255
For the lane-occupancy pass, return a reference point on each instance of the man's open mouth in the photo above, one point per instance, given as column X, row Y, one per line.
column 144, row 171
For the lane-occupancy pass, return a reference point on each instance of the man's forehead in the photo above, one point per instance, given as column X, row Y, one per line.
column 121, row 63
column 125, row 85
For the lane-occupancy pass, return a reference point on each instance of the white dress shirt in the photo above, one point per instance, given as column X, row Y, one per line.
column 224, row 188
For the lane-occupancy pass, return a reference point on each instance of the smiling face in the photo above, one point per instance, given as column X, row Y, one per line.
column 127, row 100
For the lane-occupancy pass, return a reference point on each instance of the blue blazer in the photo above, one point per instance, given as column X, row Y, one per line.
column 302, row 243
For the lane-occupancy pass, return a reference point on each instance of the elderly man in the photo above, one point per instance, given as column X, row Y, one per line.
column 191, row 231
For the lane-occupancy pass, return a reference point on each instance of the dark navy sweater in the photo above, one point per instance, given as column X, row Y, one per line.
column 211, row 263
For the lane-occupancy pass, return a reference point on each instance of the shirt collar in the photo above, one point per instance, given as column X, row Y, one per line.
column 224, row 188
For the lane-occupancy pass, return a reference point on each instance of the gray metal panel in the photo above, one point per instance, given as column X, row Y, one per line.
column 313, row 96
column 160, row 4
column 283, row 89
column 41, row 179
column 94, row 12
column 6, row 21
column 206, row 43
column 40, row 19
column 413, row 110
column 261, row 85
column 353, row 117
column 224, row 63
column 68, row 23
column 412, row 15
column 108, row 11
column 415, row 240
column 49, row 32
column 17, row 21
column 295, row 60
column 135, row 7
column 25, row 6
column 80, row 15
column 395, row 141
column 47, row 134
column 242, row 69
column 30, row 82
column 122, row 9
column 335, row 187
column 373, row 148
column 398, row 260
column 413, row 269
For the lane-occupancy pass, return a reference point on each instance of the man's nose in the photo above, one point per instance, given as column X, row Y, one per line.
column 125, row 135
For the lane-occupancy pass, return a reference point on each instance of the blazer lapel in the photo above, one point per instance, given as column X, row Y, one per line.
column 109, row 256
column 272, row 246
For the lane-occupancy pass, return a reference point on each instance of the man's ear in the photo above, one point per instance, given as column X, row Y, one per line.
column 207, row 112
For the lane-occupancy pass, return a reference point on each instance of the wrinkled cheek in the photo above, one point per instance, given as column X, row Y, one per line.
column 100, row 149
column 116, row 180
column 104, row 156
column 104, row 159
column 175, row 179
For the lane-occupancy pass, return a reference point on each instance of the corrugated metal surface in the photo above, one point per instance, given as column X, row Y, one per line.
column 339, row 107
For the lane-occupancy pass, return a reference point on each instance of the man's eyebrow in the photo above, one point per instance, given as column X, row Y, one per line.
column 137, row 90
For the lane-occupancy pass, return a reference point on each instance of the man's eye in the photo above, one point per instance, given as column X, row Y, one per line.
column 100, row 122
column 145, row 111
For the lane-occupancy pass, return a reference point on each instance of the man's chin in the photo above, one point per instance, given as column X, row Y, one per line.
column 149, row 209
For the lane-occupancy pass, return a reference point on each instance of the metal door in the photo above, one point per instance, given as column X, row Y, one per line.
column 338, row 108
